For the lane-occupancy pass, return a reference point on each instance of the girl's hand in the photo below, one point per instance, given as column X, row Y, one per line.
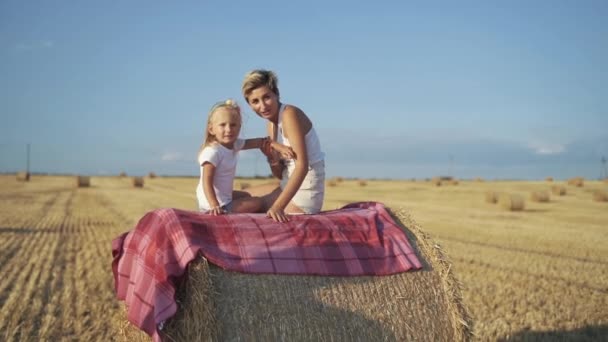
column 277, row 214
column 285, row 151
column 217, row 210
column 267, row 147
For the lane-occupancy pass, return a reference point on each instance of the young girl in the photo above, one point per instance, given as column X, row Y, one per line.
column 302, row 178
column 218, row 157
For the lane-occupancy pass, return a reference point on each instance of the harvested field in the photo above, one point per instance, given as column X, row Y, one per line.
column 540, row 273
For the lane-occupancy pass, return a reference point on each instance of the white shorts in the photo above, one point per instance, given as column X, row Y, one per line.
column 310, row 196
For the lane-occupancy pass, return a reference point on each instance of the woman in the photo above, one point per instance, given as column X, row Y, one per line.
column 302, row 185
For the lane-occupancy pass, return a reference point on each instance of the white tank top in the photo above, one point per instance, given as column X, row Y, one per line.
column 313, row 145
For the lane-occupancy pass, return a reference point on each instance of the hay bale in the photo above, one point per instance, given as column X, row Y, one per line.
column 478, row 179
column 511, row 202
column 425, row 305
column 244, row 186
column 332, row 183
column 539, row 196
column 491, row 197
column 576, row 181
column 138, row 182
column 600, row 196
column 549, row 179
column 123, row 174
column 558, row 190
column 83, row 181
column 151, row 175
column 23, row 176
column 453, row 182
column 436, row 181
column 362, row 183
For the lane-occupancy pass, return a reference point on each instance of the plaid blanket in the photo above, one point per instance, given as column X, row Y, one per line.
column 359, row 239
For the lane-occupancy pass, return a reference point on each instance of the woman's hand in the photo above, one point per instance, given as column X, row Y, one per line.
column 217, row 210
column 277, row 214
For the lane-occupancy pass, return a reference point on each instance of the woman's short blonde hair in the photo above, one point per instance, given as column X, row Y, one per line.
column 259, row 78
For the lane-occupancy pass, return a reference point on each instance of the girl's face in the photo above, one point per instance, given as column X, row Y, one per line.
column 264, row 102
column 225, row 126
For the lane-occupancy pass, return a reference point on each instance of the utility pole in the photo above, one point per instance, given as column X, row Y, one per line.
column 27, row 169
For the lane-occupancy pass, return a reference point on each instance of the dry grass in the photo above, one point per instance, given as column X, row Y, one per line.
column 536, row 274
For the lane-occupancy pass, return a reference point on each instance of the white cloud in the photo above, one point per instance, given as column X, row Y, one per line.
column 174, row 156
column 45, row 44
column 547, row 148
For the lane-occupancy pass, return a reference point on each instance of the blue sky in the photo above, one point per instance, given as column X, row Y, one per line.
column 396, row 89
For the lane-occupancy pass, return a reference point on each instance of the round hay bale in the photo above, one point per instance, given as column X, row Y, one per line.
column 600, row 196
column 83, row 181
column 152, row 175
column 539, row 196
column 558, row 190
column 549, row 179
column 453, row 182
column 138, row 182
column 123, row 174
column 424, row 305
column 332, row 183
column 23, row 176
column 491, row 197
column 436, row 181
column 244, row 186
column 512, row 202
column 362, row 183
column 576, row 181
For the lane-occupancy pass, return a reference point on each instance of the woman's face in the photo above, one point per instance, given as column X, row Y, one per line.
column 264, row 103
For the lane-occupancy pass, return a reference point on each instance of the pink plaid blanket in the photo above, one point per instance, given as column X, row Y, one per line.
column 359, row 239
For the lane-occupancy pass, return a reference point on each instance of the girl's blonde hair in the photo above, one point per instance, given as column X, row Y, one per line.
column 259, row 78
column 229, row 104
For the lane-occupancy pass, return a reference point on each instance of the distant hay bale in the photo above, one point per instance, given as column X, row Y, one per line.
column 600, row 196
column 23, row 176
column 576, row 181
column 605, row 180
column 123, row 174
column 491, row 197
column 83, row 181
column 436, row 181
column 478, row 179
column 549, row 179
column 362, row 182
column 138, row 182
column 152, row 175
column 539, row 196
column 332, row 183
column 511, row 202
column 244, row 186
column 218, row 305
column 453, row 182
column 558, row 190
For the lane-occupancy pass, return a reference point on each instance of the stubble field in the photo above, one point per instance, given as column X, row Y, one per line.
column 536, row 274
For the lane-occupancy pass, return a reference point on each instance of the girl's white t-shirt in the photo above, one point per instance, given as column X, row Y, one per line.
column 224, row 160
